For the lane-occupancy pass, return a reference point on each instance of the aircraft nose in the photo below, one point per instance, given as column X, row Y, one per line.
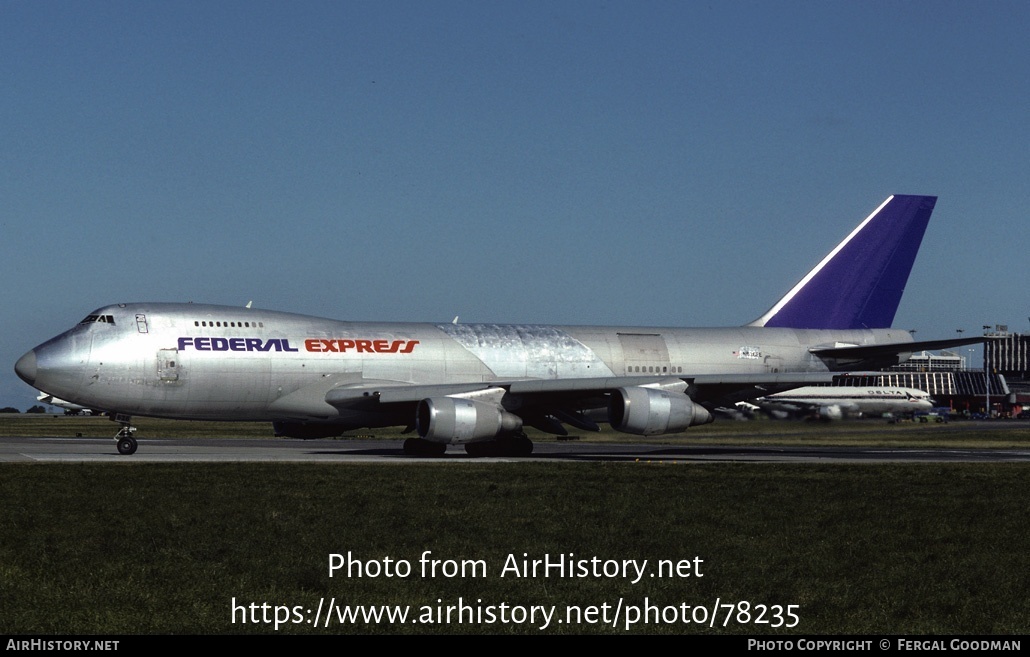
column 26, row 368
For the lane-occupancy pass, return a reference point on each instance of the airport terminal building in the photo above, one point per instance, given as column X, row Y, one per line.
column 1001, row 385
column 1008, row 354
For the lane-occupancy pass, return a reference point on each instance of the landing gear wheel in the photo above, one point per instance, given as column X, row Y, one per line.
column 420, row 447
column 126, row 443
column 521, row 446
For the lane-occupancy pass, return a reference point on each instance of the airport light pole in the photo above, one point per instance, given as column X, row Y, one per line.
column 987, row 377
column 960, row 332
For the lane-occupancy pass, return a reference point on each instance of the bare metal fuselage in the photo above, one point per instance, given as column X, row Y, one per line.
column 480, row 384
column 226, row 363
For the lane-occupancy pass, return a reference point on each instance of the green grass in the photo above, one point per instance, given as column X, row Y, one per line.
column 163, row 549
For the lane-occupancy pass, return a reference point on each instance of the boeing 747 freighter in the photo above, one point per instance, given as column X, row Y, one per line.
column 479, row 385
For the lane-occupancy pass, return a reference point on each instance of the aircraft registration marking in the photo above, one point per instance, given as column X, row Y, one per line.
column 750, row 353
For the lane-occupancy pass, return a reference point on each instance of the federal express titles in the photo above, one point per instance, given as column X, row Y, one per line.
column 314, row 345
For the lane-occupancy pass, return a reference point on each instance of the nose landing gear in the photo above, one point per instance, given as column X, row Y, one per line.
column 126, row 443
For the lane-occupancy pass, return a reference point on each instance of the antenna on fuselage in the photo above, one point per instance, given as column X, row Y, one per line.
column 248, row 304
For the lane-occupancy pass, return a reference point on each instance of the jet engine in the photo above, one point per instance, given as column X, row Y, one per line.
column 650, row 411
column 456, row 420
column 832, row 412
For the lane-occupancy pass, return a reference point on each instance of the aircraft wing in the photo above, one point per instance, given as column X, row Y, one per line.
column 397, row 392
column 728, row 389
column 559, row 394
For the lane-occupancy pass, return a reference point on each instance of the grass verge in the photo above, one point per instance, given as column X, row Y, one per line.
column 1012, row 434
column 166, row 549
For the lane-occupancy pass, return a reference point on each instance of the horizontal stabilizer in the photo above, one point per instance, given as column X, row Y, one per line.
column 883, row 355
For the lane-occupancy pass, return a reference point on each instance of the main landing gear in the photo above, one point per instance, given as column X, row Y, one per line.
column 126, row 443
column 511, row 445
column 421, row 447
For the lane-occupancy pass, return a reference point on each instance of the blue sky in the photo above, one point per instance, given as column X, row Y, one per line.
column 659, row 163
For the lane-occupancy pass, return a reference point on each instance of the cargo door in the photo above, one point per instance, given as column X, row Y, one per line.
column 644, row 353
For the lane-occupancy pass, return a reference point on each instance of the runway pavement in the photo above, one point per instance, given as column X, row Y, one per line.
column 103, row 450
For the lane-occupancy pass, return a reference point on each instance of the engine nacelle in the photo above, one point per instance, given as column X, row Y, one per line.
column 456, row 420
column 651, row 411
column 831, row 412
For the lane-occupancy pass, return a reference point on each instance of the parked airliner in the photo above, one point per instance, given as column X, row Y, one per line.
column 68, row 407
column 478, row 385
column 837, row 402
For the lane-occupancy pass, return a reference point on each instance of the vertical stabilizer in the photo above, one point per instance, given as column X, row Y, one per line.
column 859, row 284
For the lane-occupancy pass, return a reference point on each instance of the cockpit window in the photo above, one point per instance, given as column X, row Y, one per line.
column 102, row 319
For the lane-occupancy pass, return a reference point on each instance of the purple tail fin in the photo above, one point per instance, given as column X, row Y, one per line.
column 859, row 284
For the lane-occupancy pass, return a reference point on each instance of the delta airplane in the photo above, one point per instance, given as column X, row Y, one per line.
column 478, row 385
column 836, row 402
column 68, row 407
